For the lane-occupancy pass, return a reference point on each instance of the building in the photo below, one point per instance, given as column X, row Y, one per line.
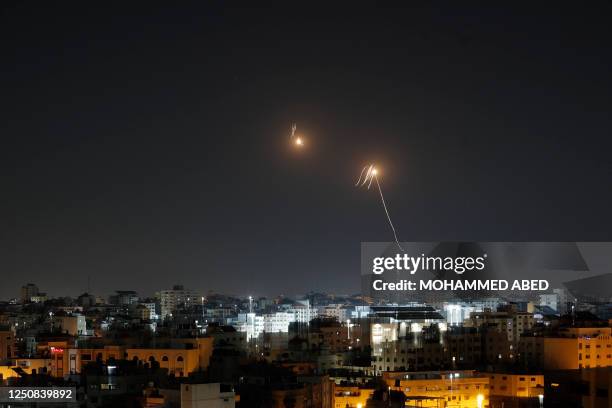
column 212, row 395
column 123, row 298
column 510, row 322
column 459, row 389
column 177, row 297
column 456, row 313
column 227, row 337
column 74, row 325
column 351, row 396
column 7, row 343
column 181, row 358
column 302, row 311
column 319, row 392
column 75, row 359
column 86, row 300
column 338, row 312
column 28, row 291
column 333, row 336
column 277, row 322
column 251, row 324
column 144, row 311
column 568, row 349
column 27, row 365
column 509, row 390
column 549, row 299
column 587, row 388
column 40, row 298
column 255, row 325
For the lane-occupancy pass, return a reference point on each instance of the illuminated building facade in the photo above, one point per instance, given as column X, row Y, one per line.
column 351, row 396
column 569, row 349
column 461, row 389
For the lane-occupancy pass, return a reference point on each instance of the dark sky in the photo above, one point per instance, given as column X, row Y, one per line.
column 149, row 146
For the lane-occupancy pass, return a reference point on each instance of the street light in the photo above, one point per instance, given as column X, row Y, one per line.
column 348, row 328
column 479, row 400
column 541, row 399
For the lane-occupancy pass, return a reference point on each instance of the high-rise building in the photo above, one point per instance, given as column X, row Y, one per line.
column 28, row 291
column 176, row 298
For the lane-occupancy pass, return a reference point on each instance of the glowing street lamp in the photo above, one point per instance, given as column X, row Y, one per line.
column 479, row 400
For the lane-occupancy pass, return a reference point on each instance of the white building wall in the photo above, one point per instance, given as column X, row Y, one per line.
column 206, row 396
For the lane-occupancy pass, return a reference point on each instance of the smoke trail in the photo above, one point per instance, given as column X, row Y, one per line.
column 368, row 177
column 382, row 198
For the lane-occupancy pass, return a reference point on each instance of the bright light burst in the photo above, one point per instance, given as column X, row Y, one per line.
column 368, row 175
column 298, row 141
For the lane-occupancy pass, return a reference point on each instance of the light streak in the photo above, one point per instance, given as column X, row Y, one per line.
column 368, row 175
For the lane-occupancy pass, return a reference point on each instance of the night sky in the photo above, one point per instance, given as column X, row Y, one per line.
column 145, row 147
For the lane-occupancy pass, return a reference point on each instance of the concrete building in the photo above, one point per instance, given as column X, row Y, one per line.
column 351, row 396
column 123, row 298
column 177, row 297
column 227, row 337
column 74, row 325
column 251, row 324
column 504, row 386
column 461, row 389
column 40, row 298
column 206, row 396
column 338, row 312
column 181, row 358
column 86, row 300
column 277, row 322
column 549, row 299
column 27, row 365
column 568, row 349
column 303, row 312
column 144, row 311
column 28, row 291
column 512, row 323
column 75, row 359
column 7, row 343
